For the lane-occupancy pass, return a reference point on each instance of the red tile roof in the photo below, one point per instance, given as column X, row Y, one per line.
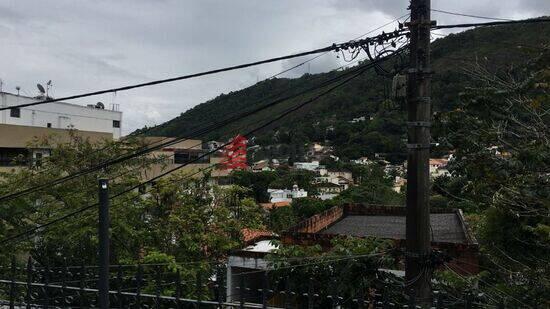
column 250, row 235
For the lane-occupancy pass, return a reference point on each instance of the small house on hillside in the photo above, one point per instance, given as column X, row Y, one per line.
column 438, row 167
column 285, row 195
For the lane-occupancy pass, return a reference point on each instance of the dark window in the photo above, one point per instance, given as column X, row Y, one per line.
column 116, row 123
column 38, row 159
column 15, row 112
column 13, row 156
column 49, row 125
column 182, row 157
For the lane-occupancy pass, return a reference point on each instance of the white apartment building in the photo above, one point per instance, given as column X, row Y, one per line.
column 61, row 115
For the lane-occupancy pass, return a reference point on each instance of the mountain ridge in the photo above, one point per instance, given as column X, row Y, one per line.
column 496, row 48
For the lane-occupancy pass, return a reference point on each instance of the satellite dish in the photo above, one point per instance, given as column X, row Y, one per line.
column 100, row 105
column 41, row 88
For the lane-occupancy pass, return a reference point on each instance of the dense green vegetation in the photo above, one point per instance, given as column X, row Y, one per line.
column 500, row 175
column 180, row 219
column 328, row 118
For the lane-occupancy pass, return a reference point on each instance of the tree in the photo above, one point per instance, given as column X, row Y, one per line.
column 374, row 187
column 258, row 183
column 179, row 217
column 501, row 137
column 282, row 218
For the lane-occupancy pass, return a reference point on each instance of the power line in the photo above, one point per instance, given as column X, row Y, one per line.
column 204, row 73
column 473, row 16
column 272, row 76
column 493, row 23
column 287, row 112
column 358, row 37
column 196, row 133
column 162, row 158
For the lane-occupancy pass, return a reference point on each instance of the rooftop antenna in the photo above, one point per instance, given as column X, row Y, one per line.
column 17, row 88
column 48, row 87
column 1, row 84
column 41, row 89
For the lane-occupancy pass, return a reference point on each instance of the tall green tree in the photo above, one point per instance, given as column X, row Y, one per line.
column 500, row 174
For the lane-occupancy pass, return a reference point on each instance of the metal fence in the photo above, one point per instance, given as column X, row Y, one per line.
column 158, row 286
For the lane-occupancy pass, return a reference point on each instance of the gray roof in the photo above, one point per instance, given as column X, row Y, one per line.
column 446, row 227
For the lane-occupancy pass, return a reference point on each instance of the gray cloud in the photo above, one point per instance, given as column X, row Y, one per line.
column 90, row 45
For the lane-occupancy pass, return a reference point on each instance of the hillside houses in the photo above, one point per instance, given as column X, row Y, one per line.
column 317, row 151
column 362, row 161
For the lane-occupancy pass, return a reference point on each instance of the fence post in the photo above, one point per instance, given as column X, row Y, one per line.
column 82, row 286
column 264, row 290
column 385, row 301
column 310, row 296
column 199, row 289
column 158, row 283
column 46, row 285
column 103, row 231
column 241, row 291
column 288, row 293
column 438, row 299
column 12, row 283
column 28, row 298
column 178, row 290
column 412, row 298
column 64, row 283
column 468, row 302
column 138, row 286
column 220, row 288
column 119, row 287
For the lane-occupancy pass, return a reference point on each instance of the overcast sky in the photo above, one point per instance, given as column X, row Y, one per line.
column 90, row 45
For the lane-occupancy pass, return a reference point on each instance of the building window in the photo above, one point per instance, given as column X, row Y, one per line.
column 15, row 112
column 38, row 159
column 13, row 156
column 49, row 125
column 116, row 123
column 190, row 156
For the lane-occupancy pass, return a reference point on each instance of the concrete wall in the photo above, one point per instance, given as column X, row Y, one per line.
column 17, row 136
column 60, row 115
column 39, row 140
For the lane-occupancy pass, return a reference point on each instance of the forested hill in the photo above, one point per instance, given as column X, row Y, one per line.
column 497, row 48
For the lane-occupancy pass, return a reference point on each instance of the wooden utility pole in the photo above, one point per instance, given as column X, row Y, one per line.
column 418, row 177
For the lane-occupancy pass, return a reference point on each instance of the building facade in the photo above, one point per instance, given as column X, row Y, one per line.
column 61, row 115
column 25, row 146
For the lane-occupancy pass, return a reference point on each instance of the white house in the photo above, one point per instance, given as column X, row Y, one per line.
column 285, row 195
column 61, row 115
column 308, row 166
column 362, row 161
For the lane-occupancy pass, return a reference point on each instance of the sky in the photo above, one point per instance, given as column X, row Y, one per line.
column 90, row 45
